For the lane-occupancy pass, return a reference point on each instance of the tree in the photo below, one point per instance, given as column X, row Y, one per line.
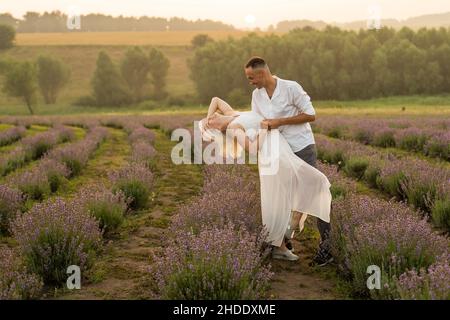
column 331, row 64
column 7, row 36
column 20, row 82
column 108, row 86
column 201, row 40
column 135, row 68
column 159, row 67
column 53, row 75
column 8, row 19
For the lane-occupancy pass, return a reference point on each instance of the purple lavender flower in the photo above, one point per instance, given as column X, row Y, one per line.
column 11, row 202
column 136, row 182
column 216, row 264
column 368, row 231
column 107, row 207
column 15, row 281
column 426, row 284
column 11, row 135
column 142, row 134
column 54, row 235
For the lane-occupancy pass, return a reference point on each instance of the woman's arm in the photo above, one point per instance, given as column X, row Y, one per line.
column 222, row 106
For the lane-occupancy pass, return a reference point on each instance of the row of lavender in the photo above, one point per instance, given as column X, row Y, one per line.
column 34, row 147
column 136, row 179
column 11, row 135
column 166, row 123
column 366, row 231
column 429, row 136
column 58, row 165
column 62, row 232
column 424, row 186
column 214, row 245
column 46, row 177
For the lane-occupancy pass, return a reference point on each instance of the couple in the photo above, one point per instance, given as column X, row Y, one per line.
column 297, row 189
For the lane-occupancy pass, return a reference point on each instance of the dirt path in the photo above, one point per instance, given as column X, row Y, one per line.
column 298, row 280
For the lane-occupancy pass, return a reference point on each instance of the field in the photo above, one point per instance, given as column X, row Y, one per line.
column 84, row 158
column 97, row 188
column 169, row 38
column 83, row 69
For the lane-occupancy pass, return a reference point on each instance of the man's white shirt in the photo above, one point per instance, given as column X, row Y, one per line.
column 288, row 100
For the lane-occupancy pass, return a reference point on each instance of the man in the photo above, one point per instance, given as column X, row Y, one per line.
column 287, row 107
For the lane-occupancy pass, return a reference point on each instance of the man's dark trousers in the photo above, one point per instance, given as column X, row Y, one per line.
column 309, row 155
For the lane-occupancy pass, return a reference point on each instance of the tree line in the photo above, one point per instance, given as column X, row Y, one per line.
column 56, row 21
column 330, row 63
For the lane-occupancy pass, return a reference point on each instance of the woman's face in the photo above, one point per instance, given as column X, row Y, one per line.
column 218, row 122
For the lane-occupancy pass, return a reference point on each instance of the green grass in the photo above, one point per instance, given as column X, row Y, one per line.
column 5, row 126
column 415, row 106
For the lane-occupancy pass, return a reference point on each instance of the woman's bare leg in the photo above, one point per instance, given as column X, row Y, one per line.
column 298, row 219
column 218, row 104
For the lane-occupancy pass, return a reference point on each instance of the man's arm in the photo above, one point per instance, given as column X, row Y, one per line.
column 303, row 102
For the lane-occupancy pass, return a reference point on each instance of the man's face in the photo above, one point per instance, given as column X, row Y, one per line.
column 255, row 77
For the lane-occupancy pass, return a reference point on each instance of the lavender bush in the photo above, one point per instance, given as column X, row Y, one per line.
column 13, row 160
column 75, row 156
column 367, row 231
column 54, row 235
column 107, row 207
column 36, row 146
column 11, row 202
column 136, row 183
column 56, row 172
column 33, row 148
column 32, row 183
column 142, row 152
column 429, row 136
column 11, row 135
column 416, row 181
column 441, row 214
column 240, row 207
column 142, row 134
column 15, row 282
column 42, row 180
column 431, row 284
column 227, row 198
column 216, row 264
column 439, row 146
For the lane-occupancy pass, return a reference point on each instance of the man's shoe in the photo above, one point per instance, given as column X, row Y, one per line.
column 288, row 244
column 284, row 255
column 322, row 258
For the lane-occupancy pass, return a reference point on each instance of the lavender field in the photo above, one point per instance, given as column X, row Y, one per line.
column 102, row 193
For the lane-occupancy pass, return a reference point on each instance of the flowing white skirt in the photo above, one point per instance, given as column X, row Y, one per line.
column 289, row 184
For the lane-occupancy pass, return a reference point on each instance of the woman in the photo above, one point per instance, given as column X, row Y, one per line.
column 290, row 192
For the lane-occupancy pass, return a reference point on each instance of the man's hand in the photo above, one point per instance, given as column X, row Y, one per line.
column 270, row 124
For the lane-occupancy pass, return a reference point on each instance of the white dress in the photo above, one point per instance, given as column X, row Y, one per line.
column 287, row 182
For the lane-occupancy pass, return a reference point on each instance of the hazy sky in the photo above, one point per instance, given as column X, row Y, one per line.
column 241, row 13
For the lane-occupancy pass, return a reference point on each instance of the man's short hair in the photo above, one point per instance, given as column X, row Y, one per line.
column 256, row 63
